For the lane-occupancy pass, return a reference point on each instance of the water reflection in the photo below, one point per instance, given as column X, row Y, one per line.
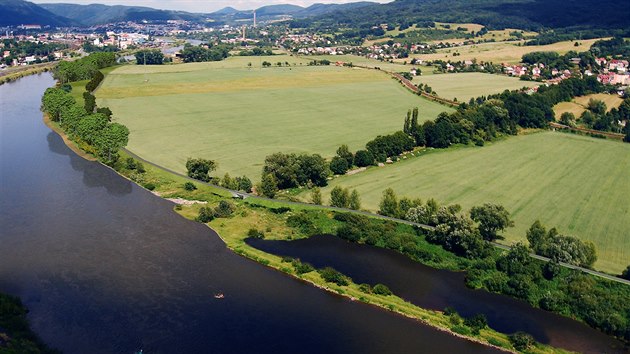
column 92, row 177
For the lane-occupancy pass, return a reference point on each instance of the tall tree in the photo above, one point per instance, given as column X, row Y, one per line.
column 344, row 152
column 110, row 140
column 339, row 197
column 316, row 196
column 389, row 204
column 200, row 168
column 354, row 202
column 268, row 185
column 492, row 218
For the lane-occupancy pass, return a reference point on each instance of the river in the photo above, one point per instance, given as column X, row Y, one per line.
column 104, row 266
column 437, row 289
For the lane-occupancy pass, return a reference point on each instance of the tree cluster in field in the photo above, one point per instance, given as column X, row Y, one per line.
column 560, row 248
column 596, row 116
column 323, row 62
column 84, row 68
column 343, row 198
column 466, row 326
column 282, row 171
column 224, row 209
column 256, row 52
column 149, row 57
column 196, row 54
column 617, row 47
column 93, row 132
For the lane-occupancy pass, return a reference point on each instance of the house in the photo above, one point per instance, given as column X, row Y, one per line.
column 620, row 65
column 536, row 71
column 601, row 61
column 468, row 62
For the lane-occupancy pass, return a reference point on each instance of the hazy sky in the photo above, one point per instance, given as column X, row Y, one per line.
column 201, row 5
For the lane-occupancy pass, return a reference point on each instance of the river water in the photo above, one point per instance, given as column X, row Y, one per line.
column 437, row 289
column 106, row 267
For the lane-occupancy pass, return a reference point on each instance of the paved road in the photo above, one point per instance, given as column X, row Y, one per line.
column 242, row 195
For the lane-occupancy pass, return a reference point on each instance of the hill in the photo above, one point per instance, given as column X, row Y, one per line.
column 495, row 14
column 96, row 14
column 20, row 12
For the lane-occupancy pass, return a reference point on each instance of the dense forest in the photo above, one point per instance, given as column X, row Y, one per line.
column 494, row 14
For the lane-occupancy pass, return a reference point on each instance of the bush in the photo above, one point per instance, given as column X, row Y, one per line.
column 332, row 276
column 302, row 222
column 476, row 323
column 150, row 186
column 224, row 209
column 189, row 186
column 339, row 165
column 206, row 214
column 380, row 289
column 130, row 164
column 253, row 233
column 521, row 340
column 366, row 288
column 302, row 268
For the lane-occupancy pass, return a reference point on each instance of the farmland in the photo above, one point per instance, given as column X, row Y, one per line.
column 465, row 86
column 577, row 184
column 578, row 105
column 236, row 114
column 502, row 52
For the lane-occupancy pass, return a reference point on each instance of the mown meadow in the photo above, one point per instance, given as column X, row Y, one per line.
column 238, row 114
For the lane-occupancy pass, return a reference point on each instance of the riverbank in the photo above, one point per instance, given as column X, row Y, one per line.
column 14, row 74
column 271, row 219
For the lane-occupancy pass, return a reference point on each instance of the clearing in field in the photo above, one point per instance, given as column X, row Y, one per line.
column 577, row 184
column 465, row 86
column 578, row 105
column 237, row 115
column 502, row 52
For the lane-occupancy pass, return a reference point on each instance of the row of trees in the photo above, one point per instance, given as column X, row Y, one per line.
column 93, row 132
column 194, row 54
column 84, row 68
column 149, row 57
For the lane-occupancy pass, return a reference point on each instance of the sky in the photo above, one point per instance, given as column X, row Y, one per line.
column 201, row 5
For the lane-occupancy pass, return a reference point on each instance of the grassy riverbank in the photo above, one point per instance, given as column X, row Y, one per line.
column 271, row 218
column 14, row 74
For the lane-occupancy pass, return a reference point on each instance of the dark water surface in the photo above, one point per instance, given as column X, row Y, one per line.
column 106, row 267
column 437, row 289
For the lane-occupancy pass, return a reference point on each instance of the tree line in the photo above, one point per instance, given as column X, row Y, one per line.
column 84, row 68
column 89, row 127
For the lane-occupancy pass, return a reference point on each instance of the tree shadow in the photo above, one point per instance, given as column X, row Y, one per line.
column 94, row 174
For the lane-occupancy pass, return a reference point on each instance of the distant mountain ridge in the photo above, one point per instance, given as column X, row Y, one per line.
column 290, row 10
column 522, row 14
column 97, row 14
column 19, row 12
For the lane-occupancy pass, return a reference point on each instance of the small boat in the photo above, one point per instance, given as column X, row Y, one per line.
column 219, row 296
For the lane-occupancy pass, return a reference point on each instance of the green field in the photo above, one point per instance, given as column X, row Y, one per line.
column 577, row 184
column 465, row 86
column 237, row 115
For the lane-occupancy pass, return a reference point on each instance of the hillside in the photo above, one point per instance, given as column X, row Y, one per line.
column 96, row 14
column 495, row 14
column 19, row 12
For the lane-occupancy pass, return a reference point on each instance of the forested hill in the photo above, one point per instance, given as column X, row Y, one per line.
column 495, row 14
column 96, row 14
column 19, row 12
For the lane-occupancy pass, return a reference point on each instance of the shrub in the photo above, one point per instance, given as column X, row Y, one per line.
column 206, row 214
column 380, row 289
column 302, row 222
column 521, row 340
column 476, row 323
column 366, row 288
column 253, row 233
column 302, row 268
column 224, row 209
column 189, row 186
column 332, row 276
column 130, row 164
column 150, row 186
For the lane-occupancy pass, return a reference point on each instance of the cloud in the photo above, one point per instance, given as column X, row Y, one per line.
column 200, row 5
